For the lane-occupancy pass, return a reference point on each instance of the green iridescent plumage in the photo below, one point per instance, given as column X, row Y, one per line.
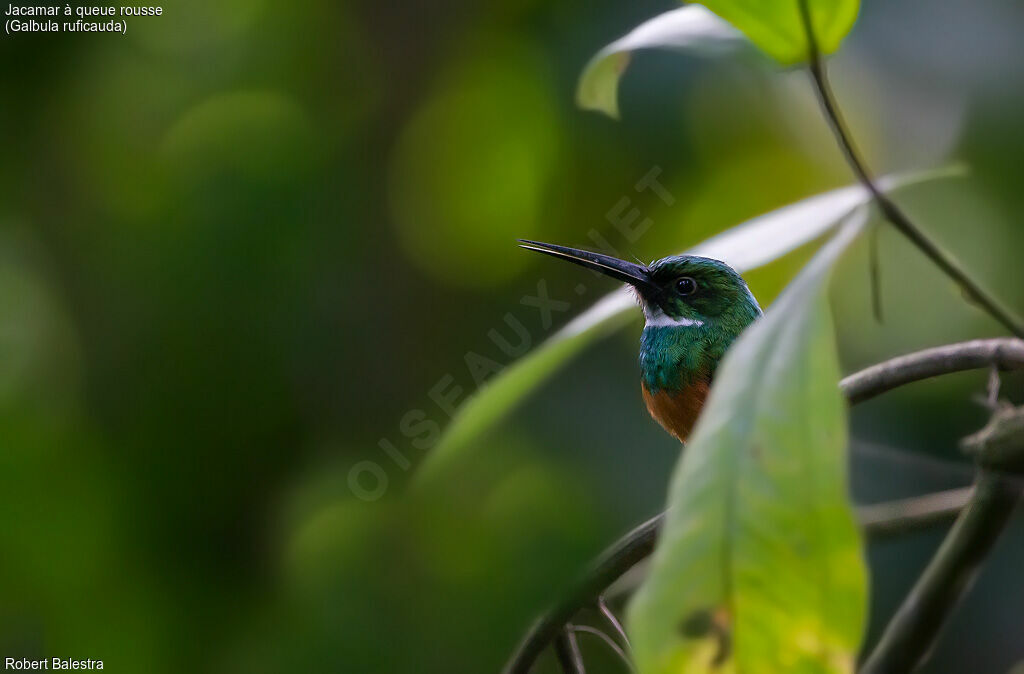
column 695, row 308
column 686, row 335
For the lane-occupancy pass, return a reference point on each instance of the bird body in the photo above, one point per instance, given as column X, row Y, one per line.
column 695, row 308
column 677, row 410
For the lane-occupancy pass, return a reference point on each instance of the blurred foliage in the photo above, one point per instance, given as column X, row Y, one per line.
column 216, row 297
column 467, row 176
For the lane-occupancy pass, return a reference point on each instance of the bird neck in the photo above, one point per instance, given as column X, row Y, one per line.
column 672, row 358
column 675, row 356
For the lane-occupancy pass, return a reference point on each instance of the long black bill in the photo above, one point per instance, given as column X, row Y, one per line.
column 634, row 274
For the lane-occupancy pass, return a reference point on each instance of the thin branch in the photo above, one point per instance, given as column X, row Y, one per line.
column 943, row 260
column 615, row 561
column 568, row 652
column 586, row 629
column 875, row 274
column 899, row 517
column 613, row 621
column 1006, row 354
column 912, row 632
column 914, row 628
column 863, row 385
column 994, row 384
column 999, row 446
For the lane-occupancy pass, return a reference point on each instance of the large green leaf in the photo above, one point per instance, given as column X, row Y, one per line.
column 692, row 29
column 745, row 247
column 777, row 28
column 760, row 568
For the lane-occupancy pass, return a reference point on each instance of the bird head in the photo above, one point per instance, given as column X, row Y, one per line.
column 676, row 291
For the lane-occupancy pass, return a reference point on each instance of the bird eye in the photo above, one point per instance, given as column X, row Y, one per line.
column 686, row 286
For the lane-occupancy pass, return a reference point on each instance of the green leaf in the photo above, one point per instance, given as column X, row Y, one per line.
column 720, row 26
column 691, row 28
column 760, row 567
column 745, row 247
column 777, row 28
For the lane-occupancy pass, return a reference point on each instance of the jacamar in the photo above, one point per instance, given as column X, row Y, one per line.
column 695, row 307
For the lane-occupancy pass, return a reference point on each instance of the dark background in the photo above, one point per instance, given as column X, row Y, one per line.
column 239, row 244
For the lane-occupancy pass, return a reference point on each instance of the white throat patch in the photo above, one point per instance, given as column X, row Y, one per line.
column 656, row 318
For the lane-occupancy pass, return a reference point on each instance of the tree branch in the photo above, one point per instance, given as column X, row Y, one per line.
column 613, row 622
column 912, row 631
column 1006, row 354
column 568, row 652
column 910, row 634
column 943, row 260
column 883, row 520
column 615, row 648
column 615, row 561
column 877, row 520
column 915, row 626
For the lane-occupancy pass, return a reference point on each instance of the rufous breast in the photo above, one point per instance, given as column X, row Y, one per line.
column 677, row 411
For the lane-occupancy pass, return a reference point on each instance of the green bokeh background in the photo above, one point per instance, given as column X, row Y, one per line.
column 240, row 244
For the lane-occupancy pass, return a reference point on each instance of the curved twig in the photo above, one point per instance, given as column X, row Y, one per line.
column 910, row 634
column 587, row 629
column 609, row 567
column 613, row 622
column 899, row 517
column 1006, row 354
column 567, row 650
column 880, row 520
column 893, row 213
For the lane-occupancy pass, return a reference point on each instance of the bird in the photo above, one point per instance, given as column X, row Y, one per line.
column 695, row 307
